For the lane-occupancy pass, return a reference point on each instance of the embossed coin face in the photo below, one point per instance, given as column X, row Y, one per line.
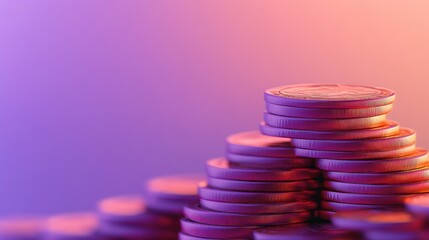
column 329, row 96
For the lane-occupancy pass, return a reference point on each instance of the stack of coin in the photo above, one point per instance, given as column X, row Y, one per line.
column 259, row 183
column 127, row 217
column 377, row 224
column 367, row 160
column 72, row 226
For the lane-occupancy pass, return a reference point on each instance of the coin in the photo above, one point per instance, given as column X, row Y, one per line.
column 213, row 231
column 259, row 208
column 329, row 96
column 405, row 137
column 334, row 113
column 418, row 159
column 323, row 124
column 255, row 144
column 220, row 168
column 200, row 215
column 387, row 129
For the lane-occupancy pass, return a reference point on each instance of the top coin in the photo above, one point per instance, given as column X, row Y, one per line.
column 175, row 187
column 255, row 144
column 329, row 96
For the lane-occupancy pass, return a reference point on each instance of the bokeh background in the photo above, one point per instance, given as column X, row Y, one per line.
column 98, row 96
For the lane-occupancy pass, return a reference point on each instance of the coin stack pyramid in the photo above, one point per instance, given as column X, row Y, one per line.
column 367, row 161
column 260, row 182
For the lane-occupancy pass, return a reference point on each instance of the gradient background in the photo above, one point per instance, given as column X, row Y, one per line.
column 98, row 96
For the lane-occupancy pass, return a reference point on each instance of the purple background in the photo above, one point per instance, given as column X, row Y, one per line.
column 98, row 96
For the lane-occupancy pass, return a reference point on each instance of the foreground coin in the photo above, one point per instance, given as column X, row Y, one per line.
column 256, row 144
column 329, row 96
column 387, row 129
column 316, row 232
column 334, row 113
column 201, row 215
column 418, row 159
column 220, row 168
column 376, row 219
column 406, row 137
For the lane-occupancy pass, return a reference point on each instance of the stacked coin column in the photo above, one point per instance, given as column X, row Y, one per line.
column 367, row 161
column 259, row 183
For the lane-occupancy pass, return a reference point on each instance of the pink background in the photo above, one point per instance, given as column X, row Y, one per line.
column 98, row 96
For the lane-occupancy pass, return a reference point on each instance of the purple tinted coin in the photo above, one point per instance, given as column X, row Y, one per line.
column 328, row 112
column 172, row 208
column 200, row 215
column 370, row 199
column 339, row 207
column 376, row 219
column 220, row 195
column 250, row 186
column 389, row 128
column 417, row 175
column 323, row 124
column 256, row 144
column 405, row 151
column 131, row 210
column 259, row 208
column 388, row 189
column 418, row 159
column 174, row 187
column 315, row 232
column 82, row 225
column 220, row 168
column 329, row 96
column 406, row 137
column 218, row 232
column 21, row 228
column 269, row 162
